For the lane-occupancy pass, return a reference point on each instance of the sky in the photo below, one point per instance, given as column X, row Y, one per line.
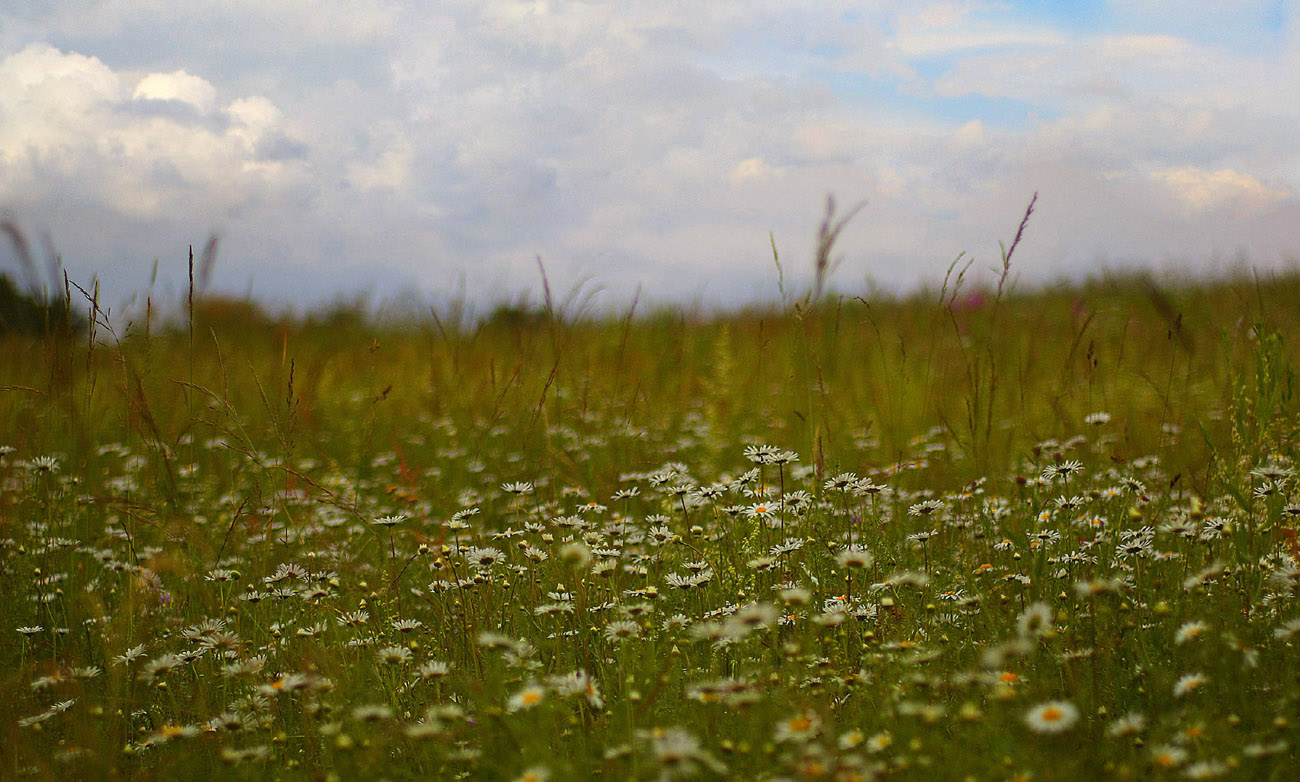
column 401, row 150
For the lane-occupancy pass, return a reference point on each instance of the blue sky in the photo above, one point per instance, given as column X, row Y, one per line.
column 384, row 147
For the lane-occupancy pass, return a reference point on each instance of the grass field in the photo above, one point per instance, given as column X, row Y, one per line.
column 961, row 535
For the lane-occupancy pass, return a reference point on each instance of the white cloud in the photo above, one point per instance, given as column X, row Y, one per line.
column 1201, row 190
column 642, row 141
column 178, row 86
column 71, row 132
column 752, row 168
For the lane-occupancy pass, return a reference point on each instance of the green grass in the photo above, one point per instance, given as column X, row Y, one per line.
column 843, row 539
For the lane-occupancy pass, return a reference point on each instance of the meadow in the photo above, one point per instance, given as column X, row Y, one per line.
column 970, row 534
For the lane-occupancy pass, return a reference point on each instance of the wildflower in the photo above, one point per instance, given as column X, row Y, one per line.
column 795, row 596
column 783, row 457
column 372, row 713
column 1188, row 683
column 353, row 619
column 755, row 615
column 841, row 482
column 484, row 557
column 1127, row 725
column 553, row 609
column 1287, row 629
column 1097, row 419
column 1264, row 750
column 1101, row 586
column 907, row 578
column 880, row 742
column 799, row 728
column 518, row 488
column 388, row 521
column 407, row 625
column 787, row 546
column 229, row 721
column 1168, row 756
column 922, row 537
column 851, row 739
column 707, row 631
column 576, row 554
column 676, row 622
column 56, row 709
column 44, row 464
column 173, row 731
column 622, row 629
column 1190, row 631
column 244, row 667
column 1035, row 620
column 394, row 655
column 433, row 669
column 677, row 751
column 1205, row 769
column 534, row 774
column 578, row 683
column 292, row 682
column 161, row 666
column 761, row 510
column 854, row 558
column 688, row 582
column 1052, row 717
column 528, row 697
column 1009, row 679
column 255, row 754
column 1068, row 467
column 925, row 508
column 1208, row 573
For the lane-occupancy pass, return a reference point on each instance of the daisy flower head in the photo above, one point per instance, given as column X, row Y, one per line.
column 1130, row 724
column 394, row 655
column 761, row 454
column 534, row 774
column 528, row 697
column 1035, row 620
column 674, row 748
column 799, row 728
column 621, row 630
column 486, row 556
column 1189, row 683
column 433, row 669
column 1190, row 631
column 854, row 558
column 925, row 508
column 1052, row 717
column 1168, row 756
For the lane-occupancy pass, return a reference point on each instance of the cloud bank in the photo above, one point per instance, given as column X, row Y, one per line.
column 372, row 147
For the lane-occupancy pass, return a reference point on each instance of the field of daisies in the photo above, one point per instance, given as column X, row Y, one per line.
column 961, row 536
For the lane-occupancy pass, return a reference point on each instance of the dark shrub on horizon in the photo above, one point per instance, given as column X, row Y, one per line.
column 23, row 313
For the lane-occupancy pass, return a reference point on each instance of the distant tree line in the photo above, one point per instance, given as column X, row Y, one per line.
column 25, row 313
